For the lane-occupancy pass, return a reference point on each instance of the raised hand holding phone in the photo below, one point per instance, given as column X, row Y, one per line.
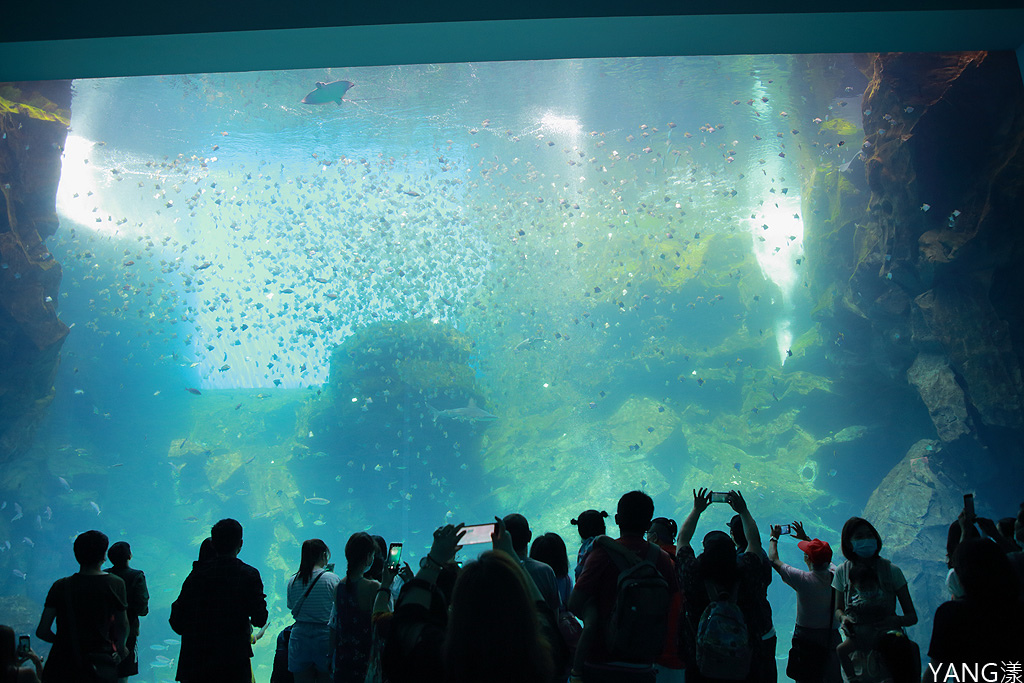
column 394, row 555
column 969, row 507
column 446, row 543
column 24, row 648
column 502, row 540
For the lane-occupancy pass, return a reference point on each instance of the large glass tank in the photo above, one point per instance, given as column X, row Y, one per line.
column 440, row 293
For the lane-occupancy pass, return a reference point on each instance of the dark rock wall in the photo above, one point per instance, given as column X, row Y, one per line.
column 922, row 255
column 918, row 273
column 33, row 125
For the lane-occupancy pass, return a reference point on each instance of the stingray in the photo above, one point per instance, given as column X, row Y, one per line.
column 328, row 92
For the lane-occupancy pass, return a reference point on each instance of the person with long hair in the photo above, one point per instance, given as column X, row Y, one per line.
column 550, row 549
column 498, row 629
column 351, row 635
column 311, row 592
column 11, row 670
column 867, row 589
column 494, row 631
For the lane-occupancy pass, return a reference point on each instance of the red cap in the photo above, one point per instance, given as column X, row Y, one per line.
column 818, row 552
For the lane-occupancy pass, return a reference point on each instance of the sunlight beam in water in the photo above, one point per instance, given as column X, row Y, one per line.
column 777, row 234
column 566, row 126
column 78, row 193
column 782, row 245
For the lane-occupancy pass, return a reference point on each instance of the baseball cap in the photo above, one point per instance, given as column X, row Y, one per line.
column 818, row 551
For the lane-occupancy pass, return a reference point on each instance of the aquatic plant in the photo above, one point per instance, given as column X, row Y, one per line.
column 840, row 127
column 14, row 100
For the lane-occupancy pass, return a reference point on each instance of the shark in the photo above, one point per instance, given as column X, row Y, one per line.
column 328, row 92
column 471, row 413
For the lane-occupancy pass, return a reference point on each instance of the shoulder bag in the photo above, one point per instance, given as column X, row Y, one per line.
column 280, row 671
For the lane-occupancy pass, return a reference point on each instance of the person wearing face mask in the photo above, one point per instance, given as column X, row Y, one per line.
column 867, row 589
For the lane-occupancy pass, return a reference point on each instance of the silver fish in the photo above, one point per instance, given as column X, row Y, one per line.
column 470, row 413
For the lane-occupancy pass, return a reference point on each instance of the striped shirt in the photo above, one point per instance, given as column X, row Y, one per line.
column 317, row 607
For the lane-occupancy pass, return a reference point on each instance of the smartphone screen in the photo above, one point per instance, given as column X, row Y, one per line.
column 786, row 530
column 719, row 497
column 395, row 554
column 24, row 643
column 969, row 504
column 477, row 533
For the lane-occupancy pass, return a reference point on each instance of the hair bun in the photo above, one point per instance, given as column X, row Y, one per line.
column 603, row 513
column 574, row 522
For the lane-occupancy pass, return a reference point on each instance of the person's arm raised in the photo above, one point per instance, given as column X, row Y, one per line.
column 442, row 551
column 382, row 600
column 701, row 500
column 749, row 525
column 775, row 530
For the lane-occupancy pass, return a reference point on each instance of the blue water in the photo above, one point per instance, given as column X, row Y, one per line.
column 505, row 202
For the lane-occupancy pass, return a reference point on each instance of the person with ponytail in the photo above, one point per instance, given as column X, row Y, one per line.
column 590, row 525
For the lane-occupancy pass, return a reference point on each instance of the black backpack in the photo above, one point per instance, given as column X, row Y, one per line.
column 639, row 620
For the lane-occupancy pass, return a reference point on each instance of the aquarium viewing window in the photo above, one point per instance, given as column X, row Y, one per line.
column 449, row 279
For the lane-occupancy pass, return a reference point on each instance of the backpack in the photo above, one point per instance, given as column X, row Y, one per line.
column 723, row 641
column 639, row 620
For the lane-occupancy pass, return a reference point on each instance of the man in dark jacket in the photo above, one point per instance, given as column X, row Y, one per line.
column 220, row 602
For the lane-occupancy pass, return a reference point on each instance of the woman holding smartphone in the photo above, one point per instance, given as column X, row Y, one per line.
column 12, row 656
column 311, row 594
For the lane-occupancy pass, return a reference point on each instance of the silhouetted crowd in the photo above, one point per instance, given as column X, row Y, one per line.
column 645, row 607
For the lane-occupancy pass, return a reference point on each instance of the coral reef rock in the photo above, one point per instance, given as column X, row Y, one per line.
column 33, row 120
column 938, row 387
column 918, row 277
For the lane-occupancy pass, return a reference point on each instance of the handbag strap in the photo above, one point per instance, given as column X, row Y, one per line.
column 832, row 611
column 298, row 606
